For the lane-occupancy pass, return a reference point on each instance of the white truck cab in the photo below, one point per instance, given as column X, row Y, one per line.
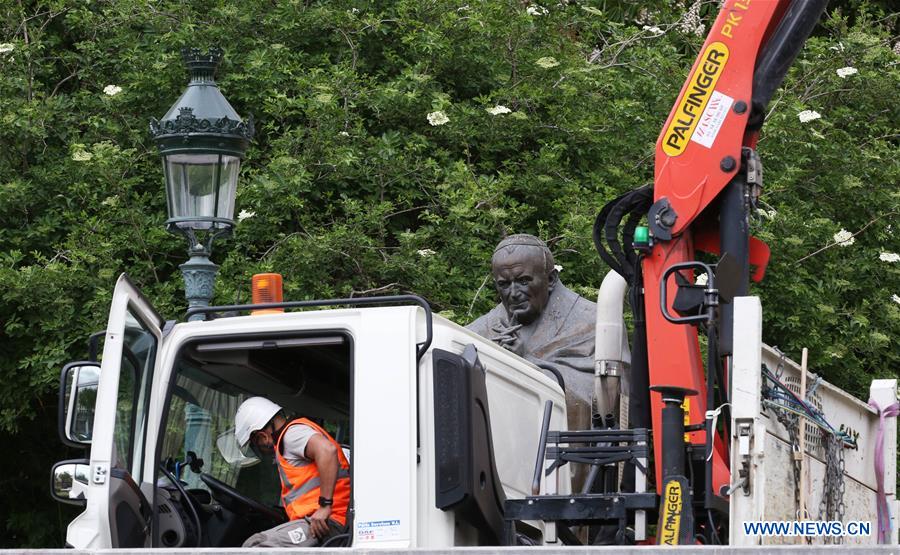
column 441, row 425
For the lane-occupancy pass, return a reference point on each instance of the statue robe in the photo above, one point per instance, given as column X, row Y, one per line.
column 563, row 337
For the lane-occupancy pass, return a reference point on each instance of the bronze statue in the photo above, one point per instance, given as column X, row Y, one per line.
column 542, row 320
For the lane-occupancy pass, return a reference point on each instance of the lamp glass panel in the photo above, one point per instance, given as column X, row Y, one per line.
column 192, row 187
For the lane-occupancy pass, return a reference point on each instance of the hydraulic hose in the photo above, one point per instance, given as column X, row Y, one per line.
column 628, row 234
column 599, row 222
column 636, row 201
column 606, row 226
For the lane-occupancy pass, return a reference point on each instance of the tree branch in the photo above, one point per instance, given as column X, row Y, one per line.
column 477, row 293
column 375, row 290
column 863, row 228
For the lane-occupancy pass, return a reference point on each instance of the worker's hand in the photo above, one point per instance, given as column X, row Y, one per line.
column 318, row 525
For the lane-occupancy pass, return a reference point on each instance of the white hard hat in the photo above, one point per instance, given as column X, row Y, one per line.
column 252, row 415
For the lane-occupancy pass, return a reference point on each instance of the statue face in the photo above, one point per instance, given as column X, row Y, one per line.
column 523, row 282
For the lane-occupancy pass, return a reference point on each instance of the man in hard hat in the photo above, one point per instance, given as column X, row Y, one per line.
column 315, row 474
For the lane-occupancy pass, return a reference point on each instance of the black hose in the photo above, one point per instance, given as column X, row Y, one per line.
column 556, row 373
column 628, row 235
column 635, row 202
column 599, row 222
column 611, row 232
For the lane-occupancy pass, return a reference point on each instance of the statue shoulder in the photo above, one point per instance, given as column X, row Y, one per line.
column 482, row 324
column 570, row 297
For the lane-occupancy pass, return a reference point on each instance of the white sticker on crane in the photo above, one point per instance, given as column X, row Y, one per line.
column 712, row 119
column 375, row 530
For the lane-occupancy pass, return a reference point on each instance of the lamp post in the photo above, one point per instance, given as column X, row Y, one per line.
column 201, row 141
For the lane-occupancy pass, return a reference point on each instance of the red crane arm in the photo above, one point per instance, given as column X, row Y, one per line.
column 700, row 151
column 708, row 121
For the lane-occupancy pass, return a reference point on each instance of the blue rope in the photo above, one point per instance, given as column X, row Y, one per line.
column 790, row 401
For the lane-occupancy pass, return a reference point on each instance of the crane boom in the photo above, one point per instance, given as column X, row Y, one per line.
column 707, row 179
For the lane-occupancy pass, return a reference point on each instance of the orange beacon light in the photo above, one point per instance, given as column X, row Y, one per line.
column 266, row 288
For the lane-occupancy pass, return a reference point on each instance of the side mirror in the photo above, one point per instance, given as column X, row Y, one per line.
column 77, row 397
column 69, row 481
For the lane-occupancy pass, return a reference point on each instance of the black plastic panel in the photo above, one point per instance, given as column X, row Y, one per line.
column 466, row 477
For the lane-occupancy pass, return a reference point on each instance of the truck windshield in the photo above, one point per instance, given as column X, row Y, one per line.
column 307, row 375
column 201, row 421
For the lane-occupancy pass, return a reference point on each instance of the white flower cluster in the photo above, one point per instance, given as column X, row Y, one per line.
column 691, row 22
column 845, row 72
column 895, row 298
column 889, row 257
column 245, row 214
column 547, row 62
column 844, row 238
column 111, row 90
column 6, row 47
column 643, row 17
column 437, row 118
column 557, row 267
column 425, row 252
column 498, row 110
column 653, row 29
column 897, row 48
column 81, row 155
column 536, row 10
column 808, row 115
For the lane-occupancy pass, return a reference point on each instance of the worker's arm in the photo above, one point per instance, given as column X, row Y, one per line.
column 324, row 454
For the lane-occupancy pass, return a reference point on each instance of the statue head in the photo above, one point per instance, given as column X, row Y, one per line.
column 524, row 275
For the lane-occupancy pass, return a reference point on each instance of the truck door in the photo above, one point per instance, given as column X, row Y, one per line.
column 121, row 511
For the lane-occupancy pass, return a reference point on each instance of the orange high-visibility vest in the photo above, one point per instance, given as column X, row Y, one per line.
column 300, row 485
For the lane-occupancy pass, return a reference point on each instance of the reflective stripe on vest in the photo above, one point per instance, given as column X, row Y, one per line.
column 300, row 484
column 310, row 484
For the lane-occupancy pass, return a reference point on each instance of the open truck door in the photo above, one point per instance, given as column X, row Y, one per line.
column 118, row 514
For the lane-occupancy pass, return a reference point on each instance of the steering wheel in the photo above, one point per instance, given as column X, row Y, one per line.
column 224, row 492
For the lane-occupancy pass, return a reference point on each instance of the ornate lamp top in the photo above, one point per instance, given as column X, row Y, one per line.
column 202, row 119
column 200, row 65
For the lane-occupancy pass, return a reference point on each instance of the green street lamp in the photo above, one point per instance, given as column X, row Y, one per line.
column 201, row 141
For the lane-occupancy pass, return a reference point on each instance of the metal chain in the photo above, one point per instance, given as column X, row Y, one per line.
column 825, row 504
column 831, row 507
column 841, row 483
column 791, row 423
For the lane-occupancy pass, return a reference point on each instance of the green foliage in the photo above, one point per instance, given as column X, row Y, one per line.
column 838, row 172
column 351, row 190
